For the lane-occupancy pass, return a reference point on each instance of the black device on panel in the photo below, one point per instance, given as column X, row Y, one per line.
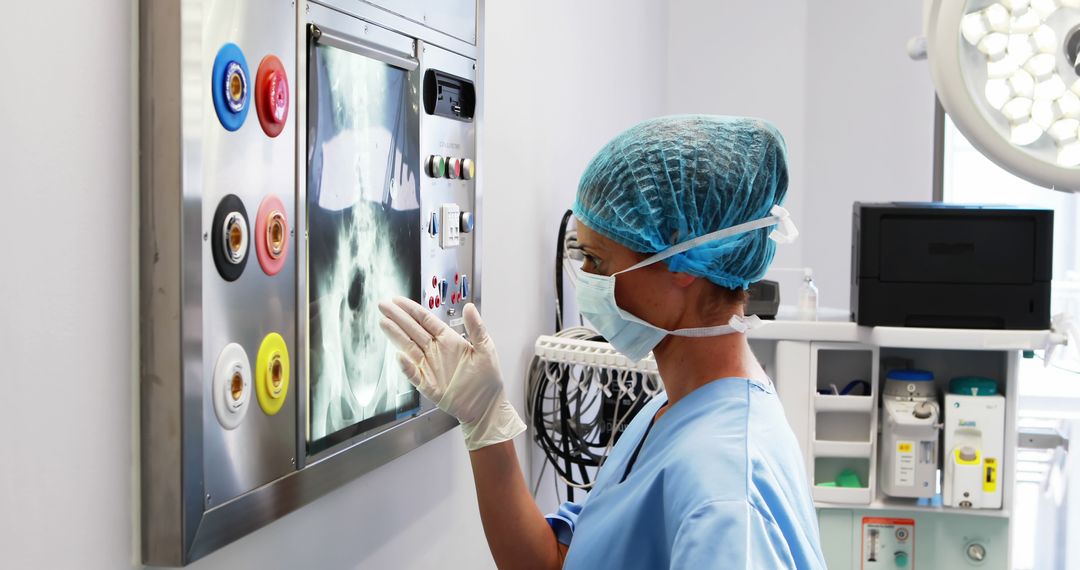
column 449, row 96
column 763, row 299
column 951, row 266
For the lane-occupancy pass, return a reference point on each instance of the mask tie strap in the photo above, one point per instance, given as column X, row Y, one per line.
column 743, row 324
column 786, row 232
column 736, row 324
column 779, row 215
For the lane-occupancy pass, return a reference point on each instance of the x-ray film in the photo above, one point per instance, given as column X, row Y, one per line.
column 363, row 239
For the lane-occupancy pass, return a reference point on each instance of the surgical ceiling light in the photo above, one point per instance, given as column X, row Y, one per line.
column 1008, row 73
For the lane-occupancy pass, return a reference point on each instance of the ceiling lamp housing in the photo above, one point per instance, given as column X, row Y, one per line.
column 1008, row 73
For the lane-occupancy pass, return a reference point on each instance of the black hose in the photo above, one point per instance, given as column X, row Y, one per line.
column 559, row 254
column 575, row 444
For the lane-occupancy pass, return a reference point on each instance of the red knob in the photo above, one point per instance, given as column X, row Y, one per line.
column 272, row 95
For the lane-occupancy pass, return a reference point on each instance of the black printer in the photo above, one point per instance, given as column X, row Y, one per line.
column 951, row 266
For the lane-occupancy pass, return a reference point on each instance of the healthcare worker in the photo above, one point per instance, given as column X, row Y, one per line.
column 677, row 216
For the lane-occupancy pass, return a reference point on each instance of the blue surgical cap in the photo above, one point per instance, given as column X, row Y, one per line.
column 671, row 179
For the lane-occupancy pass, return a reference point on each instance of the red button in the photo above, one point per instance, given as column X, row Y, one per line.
column 272, row 95
column 277, row 94
column 453, row 298
column 437, row 302
column 435, row 281
column 456, row 278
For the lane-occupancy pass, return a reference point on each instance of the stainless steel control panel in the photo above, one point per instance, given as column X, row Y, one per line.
column 301, row 162
column 448, row 186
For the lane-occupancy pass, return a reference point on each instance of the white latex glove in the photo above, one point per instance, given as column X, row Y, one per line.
column 461, row 376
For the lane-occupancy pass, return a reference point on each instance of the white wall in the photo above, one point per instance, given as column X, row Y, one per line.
column 557, row 89
column 745, row 58
column 869, row 126
column 563, row 77
column 66, row 285
column 834, row 76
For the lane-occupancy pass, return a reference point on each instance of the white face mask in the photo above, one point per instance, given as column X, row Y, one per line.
column 634, row 337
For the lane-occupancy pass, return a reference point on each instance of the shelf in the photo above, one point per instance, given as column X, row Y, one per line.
column 962, row 339
column 807, row 330
column 905, row 337
column 845, row 496
column 888, row 503
column 826, row 403
column 828, row 469
column 824, row 448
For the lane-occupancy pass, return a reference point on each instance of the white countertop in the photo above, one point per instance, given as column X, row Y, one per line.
column 834, row 326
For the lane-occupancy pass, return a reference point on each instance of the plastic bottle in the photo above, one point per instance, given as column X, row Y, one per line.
column 808, row 297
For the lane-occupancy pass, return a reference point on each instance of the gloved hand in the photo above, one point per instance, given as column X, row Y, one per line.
column 461, row 376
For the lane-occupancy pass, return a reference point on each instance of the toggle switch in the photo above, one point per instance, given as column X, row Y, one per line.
column 451, row 226
column 464, row 287
column 444, row 288
column 990, row 478
column 433, row 224
column 468, row 222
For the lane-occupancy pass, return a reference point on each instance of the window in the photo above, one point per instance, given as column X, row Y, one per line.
column 971, row 178
column 1049, row 395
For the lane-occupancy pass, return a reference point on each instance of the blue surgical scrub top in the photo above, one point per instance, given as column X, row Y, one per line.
column 719, row 482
